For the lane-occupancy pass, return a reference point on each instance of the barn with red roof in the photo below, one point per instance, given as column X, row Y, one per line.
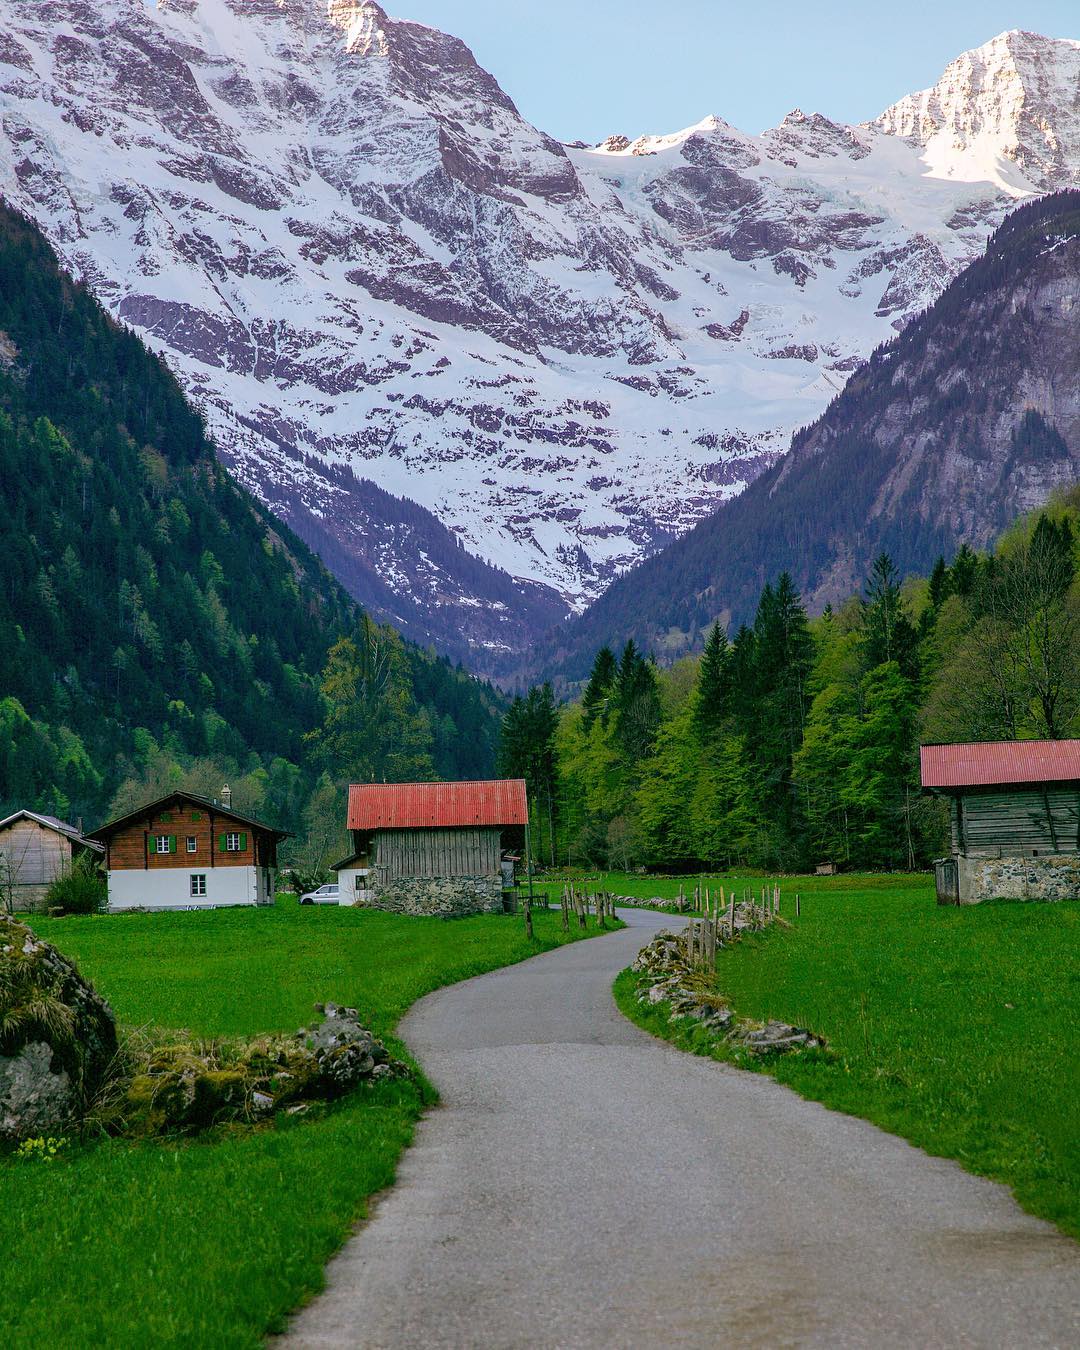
column 435, row 848
column 1014, row 811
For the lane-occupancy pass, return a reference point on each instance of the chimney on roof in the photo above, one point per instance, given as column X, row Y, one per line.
column 226, row 797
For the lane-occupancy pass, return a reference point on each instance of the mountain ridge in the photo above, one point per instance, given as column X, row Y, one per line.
column 967, row 419
column 365, row 266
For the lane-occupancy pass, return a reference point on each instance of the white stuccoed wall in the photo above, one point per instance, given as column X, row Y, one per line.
column 170, row 888
column 353, row 883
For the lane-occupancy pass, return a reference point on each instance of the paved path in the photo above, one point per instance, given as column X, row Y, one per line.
column 584, row 1185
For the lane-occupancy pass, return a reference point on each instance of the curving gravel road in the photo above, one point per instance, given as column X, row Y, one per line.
column 584, row 1185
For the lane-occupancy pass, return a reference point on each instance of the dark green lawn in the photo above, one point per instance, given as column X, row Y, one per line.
column 212, row 1243
column 956, row 1028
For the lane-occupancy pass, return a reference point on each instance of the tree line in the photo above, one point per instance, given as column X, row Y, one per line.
column 794, row 741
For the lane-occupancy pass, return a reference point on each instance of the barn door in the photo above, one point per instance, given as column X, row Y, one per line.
column 947, row 881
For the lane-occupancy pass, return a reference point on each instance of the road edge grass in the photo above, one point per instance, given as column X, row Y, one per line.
column 692, row 1038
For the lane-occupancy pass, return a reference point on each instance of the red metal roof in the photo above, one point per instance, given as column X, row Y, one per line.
column 987, row 763
column 403, row 806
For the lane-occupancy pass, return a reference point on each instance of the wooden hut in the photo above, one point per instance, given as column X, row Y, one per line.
column 1014, row 809
column 434, row 848
column 34, row 850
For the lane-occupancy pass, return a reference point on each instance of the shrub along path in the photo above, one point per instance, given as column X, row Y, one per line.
column 584, row 1184
column 213, row 1242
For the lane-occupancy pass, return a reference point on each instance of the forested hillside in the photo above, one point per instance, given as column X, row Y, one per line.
column 797, row 741
column 157, row 625
column 968, row 418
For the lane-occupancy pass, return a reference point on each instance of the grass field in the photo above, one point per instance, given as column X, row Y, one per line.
column 213, row 1242
column 956, row 1028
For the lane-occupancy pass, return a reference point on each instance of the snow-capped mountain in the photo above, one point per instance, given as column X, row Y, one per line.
column 368, row 269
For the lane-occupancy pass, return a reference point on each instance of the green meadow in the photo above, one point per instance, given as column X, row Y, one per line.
column 213, row 1241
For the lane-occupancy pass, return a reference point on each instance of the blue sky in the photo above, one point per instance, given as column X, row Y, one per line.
column 587, row 68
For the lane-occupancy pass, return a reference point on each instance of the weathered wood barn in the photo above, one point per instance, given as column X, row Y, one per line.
column 434, row 848
column 188, row 852
column 34, row 851
column 1015, row 819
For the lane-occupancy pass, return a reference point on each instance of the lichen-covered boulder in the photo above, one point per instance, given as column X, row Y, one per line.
column 344, row 1051
column 57, row 1036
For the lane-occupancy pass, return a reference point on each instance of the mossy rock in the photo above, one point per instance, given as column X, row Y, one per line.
column 58, row 1042
column 220, row 1094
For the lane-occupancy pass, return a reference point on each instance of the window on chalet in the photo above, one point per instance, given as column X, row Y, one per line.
column 165, row 843
column 192, row 844
column 198, row 883
column 232, row 843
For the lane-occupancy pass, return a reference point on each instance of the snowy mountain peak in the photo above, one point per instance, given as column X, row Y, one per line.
column 1006, row 112
column 368, row 268
column 364, row 24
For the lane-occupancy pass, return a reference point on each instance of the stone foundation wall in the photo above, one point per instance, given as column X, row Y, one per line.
column 1054, row 877
column 448, row 897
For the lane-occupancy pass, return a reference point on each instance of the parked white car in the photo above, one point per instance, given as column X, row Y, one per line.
column 325, row 895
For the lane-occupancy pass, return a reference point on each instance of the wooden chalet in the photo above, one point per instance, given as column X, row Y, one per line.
column 1014, row 810
column 34, row 850
column 188, row 852
column 435, row 848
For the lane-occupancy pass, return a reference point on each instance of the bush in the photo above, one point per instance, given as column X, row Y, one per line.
column 79, row 889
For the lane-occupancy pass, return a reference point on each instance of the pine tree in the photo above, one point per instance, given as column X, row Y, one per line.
column 597, row 694
column 713, row 702
column 889, row 634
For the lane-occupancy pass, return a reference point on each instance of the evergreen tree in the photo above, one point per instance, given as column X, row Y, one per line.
column 964, row 571
column 713, row 704
column 528, row 751
column 941, row 583
column 372, row 730
column 636, row 702
column 597, row 694
column 889, row 634
column 783, row 657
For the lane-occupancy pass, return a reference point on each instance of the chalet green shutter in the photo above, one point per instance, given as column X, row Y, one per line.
column 172, row 843
column 243, row 842
column 223, row 842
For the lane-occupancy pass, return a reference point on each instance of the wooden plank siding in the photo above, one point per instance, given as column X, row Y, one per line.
column 133, row 846
column 461, row 852
column 1017, row 820
column 35, row 853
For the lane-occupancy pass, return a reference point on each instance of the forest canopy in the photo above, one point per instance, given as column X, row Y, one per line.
column 795, row 741
column 159, row 628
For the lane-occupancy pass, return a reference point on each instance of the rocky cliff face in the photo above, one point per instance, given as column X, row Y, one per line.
column 970, row 417
column 375, row 276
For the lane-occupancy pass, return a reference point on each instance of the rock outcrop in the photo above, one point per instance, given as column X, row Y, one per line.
column 57, row 1036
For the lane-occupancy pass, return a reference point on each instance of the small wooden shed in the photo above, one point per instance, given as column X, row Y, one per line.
column 434, row 848
column 34, row 850
column 1014, row 810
